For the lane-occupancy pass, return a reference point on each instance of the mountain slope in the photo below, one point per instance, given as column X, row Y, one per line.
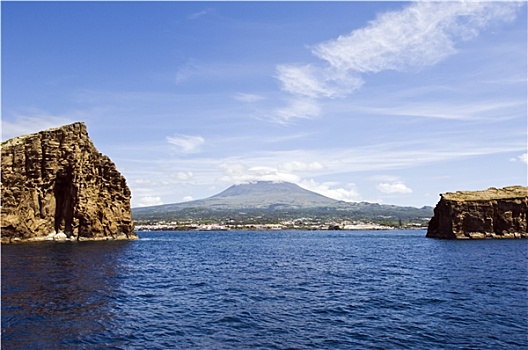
column 265, row 194
column 269, row 201
column 261, row 195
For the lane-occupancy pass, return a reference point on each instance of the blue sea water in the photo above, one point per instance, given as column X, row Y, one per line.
column 267, row 290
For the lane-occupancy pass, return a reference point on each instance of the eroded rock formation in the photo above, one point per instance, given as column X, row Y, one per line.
column 56, row 185
column 492, row 213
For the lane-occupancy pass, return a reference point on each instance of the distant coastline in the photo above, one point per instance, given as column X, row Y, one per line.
column 356, row 226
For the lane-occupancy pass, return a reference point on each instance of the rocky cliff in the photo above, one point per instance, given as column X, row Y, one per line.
column 56, row 185
column 493, row 213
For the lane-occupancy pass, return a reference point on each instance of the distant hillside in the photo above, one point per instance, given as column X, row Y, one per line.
column 265, row 195
column 268, row 202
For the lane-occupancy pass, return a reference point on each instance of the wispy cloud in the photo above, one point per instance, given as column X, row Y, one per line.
column 297, row 108
column 422, row 34
column 298, row 166
column 248, row 98
column 147, row 201
column 169, row 179
column 307, row 84
column 28, row 124
column 186, row 143
column 248, row 166
column 196, row 15
column 315, row 82
column 455, row 110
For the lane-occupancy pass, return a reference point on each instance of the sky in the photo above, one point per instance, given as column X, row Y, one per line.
column 387, row 102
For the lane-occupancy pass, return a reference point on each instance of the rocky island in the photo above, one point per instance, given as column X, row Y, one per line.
column 492, row 213
column 55, row 185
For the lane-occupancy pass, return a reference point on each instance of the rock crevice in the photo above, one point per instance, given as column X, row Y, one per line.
column 55, row 181
column 492, row 213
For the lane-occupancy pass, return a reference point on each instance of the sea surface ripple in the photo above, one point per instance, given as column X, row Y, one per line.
column 267, row 290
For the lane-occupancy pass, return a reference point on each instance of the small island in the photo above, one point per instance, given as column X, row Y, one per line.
column 492, row 213
column 57, row 186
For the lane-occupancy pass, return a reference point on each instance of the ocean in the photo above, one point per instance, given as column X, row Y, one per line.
column 266, row 290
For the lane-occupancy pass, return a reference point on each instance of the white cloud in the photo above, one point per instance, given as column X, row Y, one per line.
column 297, row 109
column 141, row 181
column 522, row 158
column 299, row 80
column 164, row 179
column 248, row 98
column 309, row 83
column 491, row 110
column 297, row 166
column 233, row 169
column 239, row 173
column 385, row 178
column 187, row 198
column 148, row 201
column 347, row 194
column 23, row 125
column 184, row 175
column 314, row 82
column 422, row 34
column 393, row 188
column 186, row 143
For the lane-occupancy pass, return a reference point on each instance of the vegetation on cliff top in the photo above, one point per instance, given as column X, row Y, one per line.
column 489, row 194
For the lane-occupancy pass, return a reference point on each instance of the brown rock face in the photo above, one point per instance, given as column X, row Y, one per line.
column 55, row 182
column 493, row 213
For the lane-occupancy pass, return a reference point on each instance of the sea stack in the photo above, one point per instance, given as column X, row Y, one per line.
column 492, row 213
column 57, row 186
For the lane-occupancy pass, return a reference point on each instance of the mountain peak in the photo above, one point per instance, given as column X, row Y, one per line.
column 262, row 194
column 268, row 200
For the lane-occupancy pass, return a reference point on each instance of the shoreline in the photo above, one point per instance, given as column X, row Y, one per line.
column 61, row 238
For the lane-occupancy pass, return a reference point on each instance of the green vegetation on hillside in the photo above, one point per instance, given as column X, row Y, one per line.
column 274, row 203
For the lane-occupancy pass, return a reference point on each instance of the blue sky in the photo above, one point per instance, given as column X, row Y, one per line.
column 388, row 102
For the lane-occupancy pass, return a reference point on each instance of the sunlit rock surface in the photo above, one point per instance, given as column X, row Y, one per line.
column 492, row 213
column 57, row 186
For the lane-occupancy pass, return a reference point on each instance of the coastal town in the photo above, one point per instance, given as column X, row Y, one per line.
column 298, row 224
